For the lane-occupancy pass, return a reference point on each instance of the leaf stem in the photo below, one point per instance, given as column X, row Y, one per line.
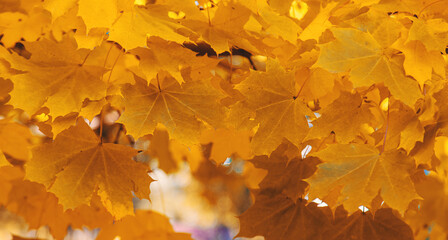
column 322, row 142
column 158, row 83
column 85, row 59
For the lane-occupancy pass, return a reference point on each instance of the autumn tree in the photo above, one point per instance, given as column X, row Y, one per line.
column 334, row 114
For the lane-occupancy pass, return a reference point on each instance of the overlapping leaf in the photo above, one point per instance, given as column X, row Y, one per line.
column 361, row 171
column 368, row 63
column 77, row 164
column 281, row 114
column 55, row 77
column 179, row 108
column 277, row 217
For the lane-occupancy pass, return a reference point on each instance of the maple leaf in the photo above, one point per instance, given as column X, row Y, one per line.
column 272, row 95
column 29, row 24
column 344, row 117
column 132, row 27
column 384, row 29
column 368, row 62
column 278, row 217
column 77, row 164
column 55, row 77
column 224, row 28
column 178, row 107
column 40, row 208
column 315, row 84
column 365, row 225
column 362, row 171
column 420, row 62
column 119, row 63
column 144, row 225
column 32, row 202
column 432, row 33
column 286, row 175
column 403, row 128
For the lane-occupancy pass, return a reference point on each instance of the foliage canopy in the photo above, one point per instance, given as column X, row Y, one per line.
column 343, row 101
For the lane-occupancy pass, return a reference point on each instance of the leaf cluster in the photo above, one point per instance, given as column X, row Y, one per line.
column 343, row 101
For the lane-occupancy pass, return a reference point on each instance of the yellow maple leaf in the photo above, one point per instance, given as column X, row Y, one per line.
column 433, row 33
column 222, row 28
column 362, row 171
column 29, row 25
column 77, row 164
column 368, row 63
column 119, row 63
column 272, row 95
column 38, row 207
column 180, row 108
column 403, row 128
column 420, row 62
column 133, row 27
column 56, row 77
column 344, row 117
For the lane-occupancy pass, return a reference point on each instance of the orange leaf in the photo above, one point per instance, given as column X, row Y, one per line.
column 77, row 164
column 362, row 171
